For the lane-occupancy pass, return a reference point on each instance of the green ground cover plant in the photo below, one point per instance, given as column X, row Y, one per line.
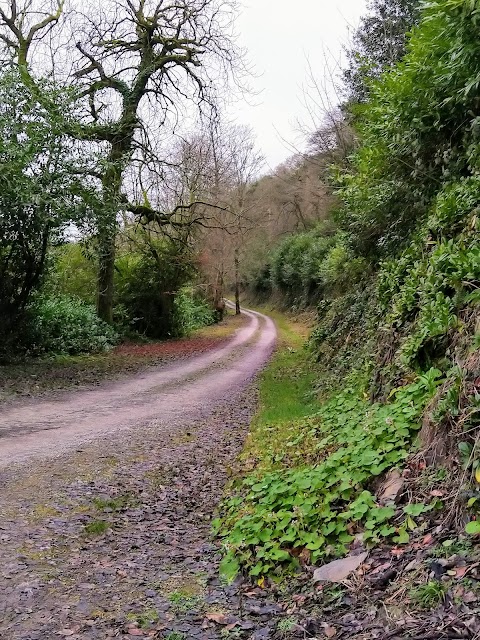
column 310, row 470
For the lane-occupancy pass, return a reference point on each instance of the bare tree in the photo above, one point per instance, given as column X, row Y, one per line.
column 135, row 65
column 246, row 163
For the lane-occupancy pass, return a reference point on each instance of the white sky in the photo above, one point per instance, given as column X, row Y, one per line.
column 281, row 36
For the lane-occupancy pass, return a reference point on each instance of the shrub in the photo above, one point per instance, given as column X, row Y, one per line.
column 148, row 283
column 424, row 292
column 190, row 312
column 296, row 265
column 340, row 268
column 36, row 180
column 73, row 273
column 64, row 325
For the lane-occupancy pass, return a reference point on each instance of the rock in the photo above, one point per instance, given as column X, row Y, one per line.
column 338, row 570
column 383, row 579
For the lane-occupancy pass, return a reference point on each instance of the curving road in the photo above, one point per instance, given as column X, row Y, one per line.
column 185, row 390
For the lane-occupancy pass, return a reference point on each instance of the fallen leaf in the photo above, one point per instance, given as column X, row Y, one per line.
column 428, row 539
column 66, row 632
column 338, row 570
column 461, row 571
column 299, row 598
column 219, row 618
column 330, row 631
column 229, row 627
column 381, row 568
column 436, row 493
column 470, row 597
column 305, row 556
column 392, row 488
column 135, row 632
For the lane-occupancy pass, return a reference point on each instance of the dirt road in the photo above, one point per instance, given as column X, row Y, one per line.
column 106, row 501
column 186, row 389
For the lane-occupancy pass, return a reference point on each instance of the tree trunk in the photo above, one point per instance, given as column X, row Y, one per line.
column 237, row 283
column 107, row 227
column 218, row 301
column 106, row 271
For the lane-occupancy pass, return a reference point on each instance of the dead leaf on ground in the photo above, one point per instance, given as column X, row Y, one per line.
column 392, row 487
column 459, row 572
column 219, row 618
column 381, row 568
column 470, row 597
column 338, row 570
column 428, row 539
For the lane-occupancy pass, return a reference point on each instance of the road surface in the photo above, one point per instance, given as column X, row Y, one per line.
column 182, row 390
column 107, row 495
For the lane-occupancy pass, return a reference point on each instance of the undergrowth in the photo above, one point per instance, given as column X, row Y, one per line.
column 309, row 470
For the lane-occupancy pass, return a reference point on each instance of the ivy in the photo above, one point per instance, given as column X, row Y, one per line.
column 271, row 517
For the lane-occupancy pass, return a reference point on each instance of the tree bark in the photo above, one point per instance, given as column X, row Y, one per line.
column 237, row 283
column 106, row 271
column 218, row 301
column 107, row 226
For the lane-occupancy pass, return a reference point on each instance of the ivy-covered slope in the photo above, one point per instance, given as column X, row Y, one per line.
column 397, row 339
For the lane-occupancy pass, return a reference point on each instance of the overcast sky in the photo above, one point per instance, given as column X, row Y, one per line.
column 281, row 36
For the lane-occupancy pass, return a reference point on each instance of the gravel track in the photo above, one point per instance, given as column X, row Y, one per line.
column 50, row 427
column 107, row 497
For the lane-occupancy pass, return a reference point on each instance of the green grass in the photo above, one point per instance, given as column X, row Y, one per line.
column 285, row 398
column 286, row 384
column 183, row 602
column 119, row 503
column 145, row 618
column 96, row 528
column 428, row 596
